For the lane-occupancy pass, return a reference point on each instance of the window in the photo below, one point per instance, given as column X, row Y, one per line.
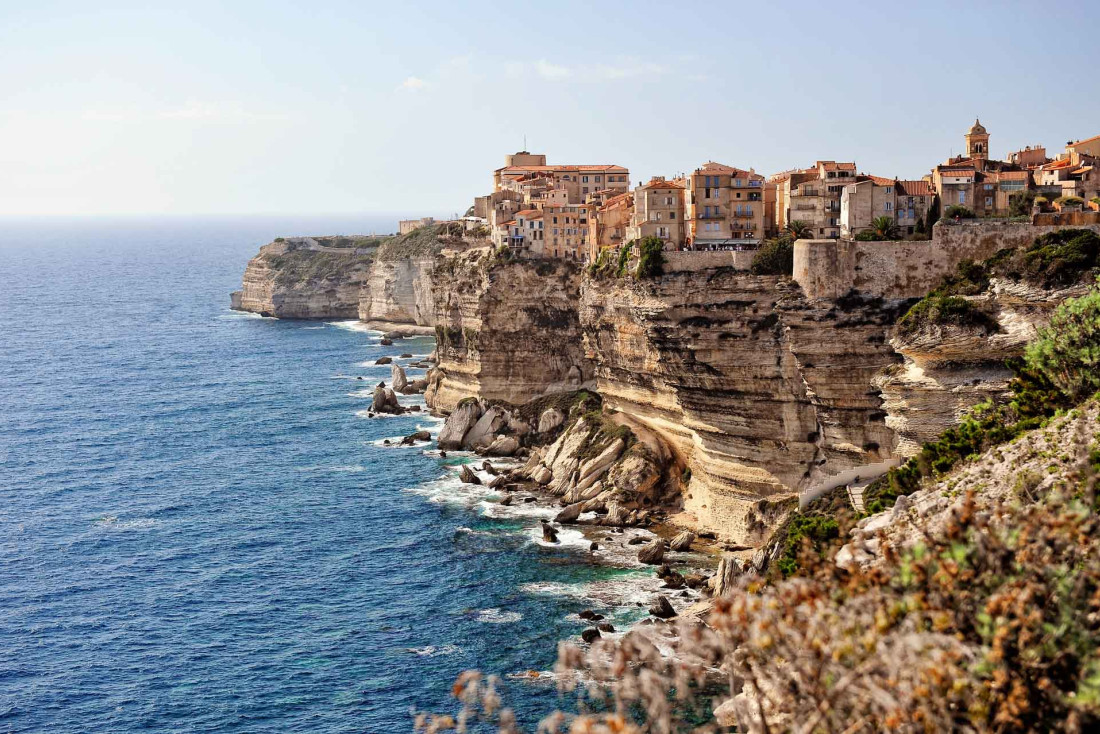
column 672, row 215
column 989, row 187
column 584, row 179
column 598, row 179
column 989, row 202
column 889, row 206
column 962, row 197
column 738, row 183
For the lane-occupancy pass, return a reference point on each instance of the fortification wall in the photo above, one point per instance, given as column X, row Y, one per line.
column 906, row 269
column 694, row 262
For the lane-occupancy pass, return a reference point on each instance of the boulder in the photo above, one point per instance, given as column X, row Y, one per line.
column 652, row 553
column 417, row 386
column 487, row 466
column 549, row 534
column 498, row 481
column 605, row 627
column 506, row 500
column 501, row 446
column 594, row 546
column 386, row 342
column 406, row 355
column 414, row 437
column 385, row 401
column 694, row 580
column 481, row 434
column 467, row 475
column 662, row 608
column 569, row 514
column 594, row 468
column 590, row 635
column 729, row 568
column 458, row 423
column 398, row 378
column 550, row 419
column 542, row 475
column 683, row 541
column 384, row 360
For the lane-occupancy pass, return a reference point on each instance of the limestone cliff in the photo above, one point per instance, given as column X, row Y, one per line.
column 761, row 392
column 307, row 278
column 399, row 291
column 505, row 330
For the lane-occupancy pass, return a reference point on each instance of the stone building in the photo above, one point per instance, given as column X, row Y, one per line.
column 408, row 225
column 812, row 195
column 725, row 207
column 578, row 181
column 906, row 203
column 608, row 223
column 979, row 183
column 659, row 212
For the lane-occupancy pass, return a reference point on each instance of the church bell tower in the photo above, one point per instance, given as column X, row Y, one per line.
column 977, row 141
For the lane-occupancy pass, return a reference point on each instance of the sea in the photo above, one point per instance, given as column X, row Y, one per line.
column 201, row 528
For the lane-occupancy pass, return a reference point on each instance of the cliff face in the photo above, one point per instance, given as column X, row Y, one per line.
column 761, row 392
column 399, row 290
column 305, row 278
column 505, row 330
column 947, row 369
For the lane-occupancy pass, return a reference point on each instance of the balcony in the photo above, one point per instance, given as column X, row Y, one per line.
column 744, row 214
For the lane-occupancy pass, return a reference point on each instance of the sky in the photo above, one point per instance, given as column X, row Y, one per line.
column 406, row 107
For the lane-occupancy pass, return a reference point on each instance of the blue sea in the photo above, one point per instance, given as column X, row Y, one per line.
column 200, row 528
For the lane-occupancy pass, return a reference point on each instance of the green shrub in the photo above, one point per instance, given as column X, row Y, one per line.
column 651, row 259
column 1069, row 201
column 1041, row 200
column 776, row 257
column 866, row 236
column 624, row 259
column 1095, row 200
column 945, row 310
column 1061, row 258
column 1020, row 203
column 601, row 266
column 958, row 210
column 1067, row 352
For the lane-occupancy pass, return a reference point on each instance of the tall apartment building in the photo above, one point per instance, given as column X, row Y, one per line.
column 812, row 195
column 725, row 207
column 659, row 212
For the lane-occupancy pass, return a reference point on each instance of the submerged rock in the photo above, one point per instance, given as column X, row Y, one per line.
column 384, row 360
column 662, row 608
column 414, row 437
column 590, row 635
column 549, row 534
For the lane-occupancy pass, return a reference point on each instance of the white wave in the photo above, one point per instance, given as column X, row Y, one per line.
column 346, row 468
column 622, row 591
column 495, row 616
column 111, row 522
column 353, row 325
column 372, row 415
column 394, row 442
column 311, row 328
column 432, row 651
column 470, row 531
column 243, row 315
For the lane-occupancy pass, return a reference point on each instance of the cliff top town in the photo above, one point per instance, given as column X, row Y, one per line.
column 573, row 211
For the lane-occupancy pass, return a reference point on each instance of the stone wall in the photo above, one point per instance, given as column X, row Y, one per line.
column 904, row 269
column 693, row 262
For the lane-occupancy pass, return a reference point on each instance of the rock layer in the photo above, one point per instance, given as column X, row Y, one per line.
column 505, row 330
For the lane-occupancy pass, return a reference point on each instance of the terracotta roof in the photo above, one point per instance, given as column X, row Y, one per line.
column 665, row 184
column 616, row 201
column 559, row 169
column 1082, row 169
column 529, row 214
column 915, row 188
column 834, row 166
column 1086, row 140
column 713, row 167
column 1055, row 165
column 1013, row 175
column 880, row 181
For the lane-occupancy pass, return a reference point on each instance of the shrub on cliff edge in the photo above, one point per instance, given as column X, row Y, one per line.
column 651, row 259
column 776, row 257
column 1067, row 351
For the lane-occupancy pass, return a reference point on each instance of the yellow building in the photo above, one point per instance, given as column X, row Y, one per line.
column 725, row 207
column 609, row 222
column 659, row 212
column 579, row 181
column 812, row 196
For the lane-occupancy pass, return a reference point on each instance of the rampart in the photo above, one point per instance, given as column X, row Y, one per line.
column 904, row 269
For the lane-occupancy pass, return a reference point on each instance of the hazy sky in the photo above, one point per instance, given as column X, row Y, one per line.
column 302, row 107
